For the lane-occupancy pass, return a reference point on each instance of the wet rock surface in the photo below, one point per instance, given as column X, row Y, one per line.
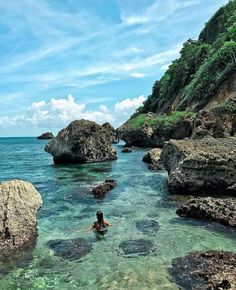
column 210, row 209
column 212, row 270
column 126, row 150
column 112, row 131
column 101, row 190
column 71, row 249
column 47, row 135
column 134, row 248
column 82, row 141
column 152, row 157
column 19, row 203
column 147, row 227
column 201, row 166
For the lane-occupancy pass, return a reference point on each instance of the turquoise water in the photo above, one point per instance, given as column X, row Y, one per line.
column 69, row 207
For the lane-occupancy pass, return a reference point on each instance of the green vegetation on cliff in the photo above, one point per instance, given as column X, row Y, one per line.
column 203, row 67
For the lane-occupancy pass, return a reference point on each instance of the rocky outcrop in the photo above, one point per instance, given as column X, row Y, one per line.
column 218, row 121
column 112, row 131
column 126, row 150
column 201, row 166
column 47, row 135
column 210, row 209
column 212, row 270
column 82, row 142
column 19, row 203
column 101, row 190
column 152, row 157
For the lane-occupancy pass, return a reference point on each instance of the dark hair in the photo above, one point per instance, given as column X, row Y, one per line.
column 99, row 215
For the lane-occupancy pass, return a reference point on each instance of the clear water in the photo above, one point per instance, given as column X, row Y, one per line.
column 68, row 208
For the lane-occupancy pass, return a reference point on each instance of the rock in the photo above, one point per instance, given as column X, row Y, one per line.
column 213, row 270
column 201, row 166
column 47, row 135
column 82, row 142
column 101, row 190
column 127, row 150
column 71, row 249
column 147, row 227
column 153, row 158
column 112, row 131
column 19, row 203
column 210, row 209
column 134, row 248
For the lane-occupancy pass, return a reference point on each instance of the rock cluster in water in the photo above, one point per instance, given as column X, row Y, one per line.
column 101, row 190
column 201, row 166
column 218, row 210
column 126, row 150
column 19, row 203
column 213, row 270
column 47, row 135
column 71, row 249
column 152, row 157
column 82, row 142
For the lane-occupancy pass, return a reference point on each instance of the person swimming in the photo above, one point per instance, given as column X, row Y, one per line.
column 100, row 225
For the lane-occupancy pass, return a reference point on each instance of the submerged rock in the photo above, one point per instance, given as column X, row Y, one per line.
column 152, row 157
column 19, row 203
column 126, row 150
column 222, row 211
column 47, row 135
column 112, row 131
column 147, row 227
column 201, row 166
column 82, row 142
column 212, row 270
column 71, row 249
column 101, row 190
column 134, row 248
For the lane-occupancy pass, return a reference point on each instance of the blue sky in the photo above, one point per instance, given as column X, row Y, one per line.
column 96, row 59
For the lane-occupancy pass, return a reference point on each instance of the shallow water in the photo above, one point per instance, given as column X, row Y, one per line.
column 69, row 207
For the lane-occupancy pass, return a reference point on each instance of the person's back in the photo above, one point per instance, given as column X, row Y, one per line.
column 100, row 225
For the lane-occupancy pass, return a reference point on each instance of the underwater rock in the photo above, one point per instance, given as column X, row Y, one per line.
column 101, row 190
column 212, row 270
column 134, row 248
column 47, row 135
column 82, row 141
column 71, row 249
column 201, row 166
column 152, row 157
column 112, row 131
column 127, row 150
column 210, row 209
column 147, row 227
column 19, row 203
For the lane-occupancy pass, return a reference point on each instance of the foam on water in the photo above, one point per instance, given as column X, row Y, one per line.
column 69, row 208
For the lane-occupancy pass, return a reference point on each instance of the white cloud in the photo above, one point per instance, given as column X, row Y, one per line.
column 137, row 75
column 57, row 113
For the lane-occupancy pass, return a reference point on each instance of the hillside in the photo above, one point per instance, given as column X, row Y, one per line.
column 205, row 73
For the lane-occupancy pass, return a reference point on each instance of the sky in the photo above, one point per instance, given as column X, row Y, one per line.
column 94, row 59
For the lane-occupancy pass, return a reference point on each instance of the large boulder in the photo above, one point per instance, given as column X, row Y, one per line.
column 210, row 209
column 47, row 135
column 82, row 141
column 19, row 203
column 212, row 270
column 201, row 166
column 112, row 131
column 152, row 157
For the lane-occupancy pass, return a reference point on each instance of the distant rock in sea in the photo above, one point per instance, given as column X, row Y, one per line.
column 19, row 203
column 82, row 141
column 101, row 190
column 47, row 135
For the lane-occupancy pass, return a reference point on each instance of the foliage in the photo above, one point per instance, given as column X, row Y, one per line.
column 204, row 65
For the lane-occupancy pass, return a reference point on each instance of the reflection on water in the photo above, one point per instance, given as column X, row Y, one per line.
column 140, row 198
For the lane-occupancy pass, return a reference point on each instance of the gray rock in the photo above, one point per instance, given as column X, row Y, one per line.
column 19, row 203
column 201, row 166
column 222, row 211
column 147, row 227
column 152, row 157
column 82, row 142
column 47, row 135
column 134, row 248
column 71, row 249
column 213, row 270
column 112, row 131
